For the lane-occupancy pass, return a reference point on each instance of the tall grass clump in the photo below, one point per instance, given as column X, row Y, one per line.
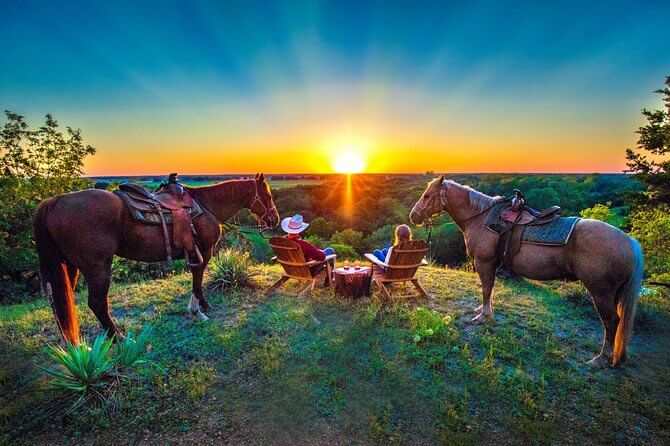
column 231, row 269
column 90, row 375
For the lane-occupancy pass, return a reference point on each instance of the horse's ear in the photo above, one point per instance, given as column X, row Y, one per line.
column 260, row 178
column 440, row 179
column 256, row 176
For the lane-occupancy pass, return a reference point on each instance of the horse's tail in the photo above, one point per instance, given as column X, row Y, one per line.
column 627, row 296
column 56, row 282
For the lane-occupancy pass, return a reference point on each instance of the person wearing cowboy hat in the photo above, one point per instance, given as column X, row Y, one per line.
column 293, row 226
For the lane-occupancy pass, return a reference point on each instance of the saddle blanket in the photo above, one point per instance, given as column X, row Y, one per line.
column 151, row 216
column 556, row 232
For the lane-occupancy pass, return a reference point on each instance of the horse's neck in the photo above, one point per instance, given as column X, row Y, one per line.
column 224, row 199
column 463, row 213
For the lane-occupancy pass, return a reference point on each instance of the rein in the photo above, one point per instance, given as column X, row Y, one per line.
column 261, row 227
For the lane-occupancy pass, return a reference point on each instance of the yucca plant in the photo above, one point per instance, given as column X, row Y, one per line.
column 84, row 371
column 231, row 269
column 131, row 351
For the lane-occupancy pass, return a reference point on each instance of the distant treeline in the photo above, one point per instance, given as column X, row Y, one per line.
column 380, row 202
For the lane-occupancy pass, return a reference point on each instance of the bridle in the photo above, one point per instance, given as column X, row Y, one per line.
column 261, row 220
column 261, row 226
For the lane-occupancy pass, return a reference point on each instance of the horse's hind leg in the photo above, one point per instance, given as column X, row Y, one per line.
column 606, row 308
column 98, row 301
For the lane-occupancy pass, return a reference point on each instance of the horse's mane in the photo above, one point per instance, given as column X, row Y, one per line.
column 228, row 190
column 478, row 199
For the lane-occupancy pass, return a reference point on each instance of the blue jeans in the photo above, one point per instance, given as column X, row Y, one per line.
column 381, row 254
column 316, row 269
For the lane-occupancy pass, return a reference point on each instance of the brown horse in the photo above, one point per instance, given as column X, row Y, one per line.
column 606, row 260
column 82, row 231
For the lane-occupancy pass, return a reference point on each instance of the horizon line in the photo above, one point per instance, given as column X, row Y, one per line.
column 360, row 173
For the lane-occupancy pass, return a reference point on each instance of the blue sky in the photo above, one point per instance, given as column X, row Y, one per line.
column 270, row 76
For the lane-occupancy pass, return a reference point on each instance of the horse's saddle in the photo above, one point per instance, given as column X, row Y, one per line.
column 517, row 223
column 171, row 205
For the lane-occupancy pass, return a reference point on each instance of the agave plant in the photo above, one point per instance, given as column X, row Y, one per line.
column 130, row 351
column 231, row 269
column 85, row 370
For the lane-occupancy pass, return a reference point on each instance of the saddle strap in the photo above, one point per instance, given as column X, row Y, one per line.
column 512, row 243
column 166, row 235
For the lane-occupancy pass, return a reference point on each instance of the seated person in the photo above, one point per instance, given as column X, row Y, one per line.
column 293, row 226
column 402, row 234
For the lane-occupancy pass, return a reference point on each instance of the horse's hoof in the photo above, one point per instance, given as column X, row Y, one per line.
column 479, row 319
column 205, row 306
column 200, row 315
column 599, row 363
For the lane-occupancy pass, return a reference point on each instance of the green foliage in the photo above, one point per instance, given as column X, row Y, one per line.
column 345, row 252
column 129, row 271
column 447, row 245
column 350, row 237
column 542, row 198
column 131, row 351
column 651, row 227
column 427, row 324
column 231, row 269
column 602, row 212
column 90, row 375
column 34, row 165
column 81, row 368
column 321, row 228
column 654, row 138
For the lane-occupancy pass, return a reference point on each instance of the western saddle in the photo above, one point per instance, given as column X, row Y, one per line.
column 514, row 219
column 170, row 204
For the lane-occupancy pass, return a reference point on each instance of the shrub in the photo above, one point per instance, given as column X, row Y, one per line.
column 129, row 271
column 90, row 375
column 427, row 324
column 602, row 212
column 345, row 252
column 232, row 269
column 651, row 227
column 351, row 238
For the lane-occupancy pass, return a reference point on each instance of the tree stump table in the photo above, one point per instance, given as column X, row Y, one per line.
column 352, row 281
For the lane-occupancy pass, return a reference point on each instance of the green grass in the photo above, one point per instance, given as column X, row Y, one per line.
column 290, row 370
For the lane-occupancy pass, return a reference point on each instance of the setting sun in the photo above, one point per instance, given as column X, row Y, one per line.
column 348, row 161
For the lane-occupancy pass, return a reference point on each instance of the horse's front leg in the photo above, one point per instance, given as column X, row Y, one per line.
column 198, row 302
column 487, row 275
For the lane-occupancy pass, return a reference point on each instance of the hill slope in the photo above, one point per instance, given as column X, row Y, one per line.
column 303, row 371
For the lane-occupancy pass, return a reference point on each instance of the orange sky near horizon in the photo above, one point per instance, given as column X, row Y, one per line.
column 233, row 139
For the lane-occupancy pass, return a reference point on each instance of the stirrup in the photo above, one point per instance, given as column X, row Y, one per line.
column 198, row 256
column 504, row 274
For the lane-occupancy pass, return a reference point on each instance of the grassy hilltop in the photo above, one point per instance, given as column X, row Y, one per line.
column 291, row 370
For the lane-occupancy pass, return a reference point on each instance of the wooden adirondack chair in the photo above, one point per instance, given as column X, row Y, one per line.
column 291, row 258
column 405, row 259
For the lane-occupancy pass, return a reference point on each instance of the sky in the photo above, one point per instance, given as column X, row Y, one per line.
column 304, row 86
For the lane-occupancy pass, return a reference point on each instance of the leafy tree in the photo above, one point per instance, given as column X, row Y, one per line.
column 34, row 165
column 542, row 197
column 654, row 138
column 345, row 252
column 349, row 237
column 651, row 227
column 322, row 228
column 602, row 212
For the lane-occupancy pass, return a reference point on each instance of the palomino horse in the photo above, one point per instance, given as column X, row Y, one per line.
column 82, row 231
column 606, row 260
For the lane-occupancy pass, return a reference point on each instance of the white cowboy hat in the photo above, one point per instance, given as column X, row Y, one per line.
column 293, row 225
